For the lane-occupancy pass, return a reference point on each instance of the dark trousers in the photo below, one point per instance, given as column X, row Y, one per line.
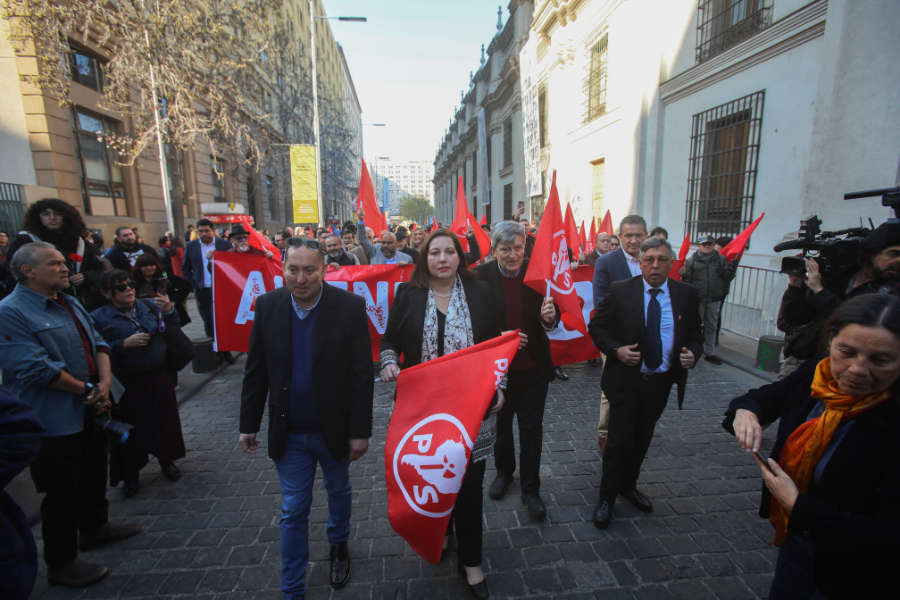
column 633, row 412
column 71, row 470
column 204, row 306
column 526, row 395
column 467, row 513
column 793, row 578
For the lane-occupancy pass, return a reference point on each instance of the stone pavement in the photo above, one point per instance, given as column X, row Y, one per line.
column 214, row 534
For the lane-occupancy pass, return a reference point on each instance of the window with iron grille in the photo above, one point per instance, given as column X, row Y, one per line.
column 722, row 169
column 542, row 115
column 599, row 183
column 507, row 142
column 507, row 202
column 595, row 81
column 722, row 24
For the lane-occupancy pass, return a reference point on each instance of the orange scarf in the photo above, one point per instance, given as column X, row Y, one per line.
column 804, row 447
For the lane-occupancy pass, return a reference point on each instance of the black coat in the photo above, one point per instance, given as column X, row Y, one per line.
column 853, row 518
column 532, row 301
column 343, row 377
column 619, row 321
column 406, row 321
column 118, row 258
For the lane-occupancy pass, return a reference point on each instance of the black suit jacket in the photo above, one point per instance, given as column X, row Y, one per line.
column 192, row 269
column 853, row 517
column 343, row 377
column 406, row 321
column 532, row 301
column 619, row 321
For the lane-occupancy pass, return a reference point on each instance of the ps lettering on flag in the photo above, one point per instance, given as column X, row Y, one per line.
column 548, row 269
column 431, row 435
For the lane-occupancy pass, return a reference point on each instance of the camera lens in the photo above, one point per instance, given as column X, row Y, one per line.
column 116, row 430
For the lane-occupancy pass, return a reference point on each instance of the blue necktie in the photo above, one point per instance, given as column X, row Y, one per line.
column 654, row 355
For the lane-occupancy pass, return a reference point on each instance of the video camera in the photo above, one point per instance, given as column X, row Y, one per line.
column 838, row 253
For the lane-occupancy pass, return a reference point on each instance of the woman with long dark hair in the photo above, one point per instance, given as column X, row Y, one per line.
column 138, row 357
column 832, row 479
column 441, row 310
column 151, row 279
column 56, row 222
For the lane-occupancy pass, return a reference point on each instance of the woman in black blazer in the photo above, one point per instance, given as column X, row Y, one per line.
column 832, row 484
column 441, row 310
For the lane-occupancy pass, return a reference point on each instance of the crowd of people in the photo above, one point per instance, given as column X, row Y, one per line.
column 89, row 380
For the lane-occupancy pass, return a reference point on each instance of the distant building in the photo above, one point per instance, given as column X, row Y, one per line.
column 409, row 177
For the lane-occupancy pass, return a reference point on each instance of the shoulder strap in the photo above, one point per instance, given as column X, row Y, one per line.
column 33, row 237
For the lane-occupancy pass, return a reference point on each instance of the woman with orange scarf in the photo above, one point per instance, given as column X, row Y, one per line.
column 832, row 482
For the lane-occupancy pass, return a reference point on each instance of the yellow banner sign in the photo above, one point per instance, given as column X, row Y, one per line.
column 303, row 183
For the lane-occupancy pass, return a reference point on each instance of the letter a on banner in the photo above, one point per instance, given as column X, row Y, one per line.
column 304, row 188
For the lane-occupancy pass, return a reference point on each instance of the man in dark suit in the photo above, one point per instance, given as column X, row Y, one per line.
column 531, row 370
column 601, row 248
column 197, row 255
column 320, row 385
column 650, row 330
column 622, row 263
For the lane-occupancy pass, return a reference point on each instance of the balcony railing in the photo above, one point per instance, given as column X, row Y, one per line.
column 718, row 31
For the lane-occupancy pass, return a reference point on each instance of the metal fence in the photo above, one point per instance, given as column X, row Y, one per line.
column 751, row 307
column 12, row 207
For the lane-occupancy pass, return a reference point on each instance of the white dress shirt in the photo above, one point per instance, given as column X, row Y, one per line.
column 204, row 249
column 633, row 263
column 666, row 326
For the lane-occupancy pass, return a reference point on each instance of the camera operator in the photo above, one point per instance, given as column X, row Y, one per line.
column 808, row 301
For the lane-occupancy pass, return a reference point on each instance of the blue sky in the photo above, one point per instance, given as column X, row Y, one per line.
column 409, row 63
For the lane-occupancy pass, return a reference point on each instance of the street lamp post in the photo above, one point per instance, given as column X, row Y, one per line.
column 315, row 87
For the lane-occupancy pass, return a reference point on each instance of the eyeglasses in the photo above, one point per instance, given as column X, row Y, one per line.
column 662, row 260
column 506, row 251
column 121, row 287
column 240, row 238
column 311, row 244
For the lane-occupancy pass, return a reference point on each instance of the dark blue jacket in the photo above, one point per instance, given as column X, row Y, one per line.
column 608, row 269
column 115, row 327
column 192, row 269
column 20, row 440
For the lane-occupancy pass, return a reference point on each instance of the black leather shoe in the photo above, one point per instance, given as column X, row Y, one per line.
column 479, row 590
column 640, row 501
column 593, row 362
column 713, row 359
column 340, row 565
column 561, row 375
column 602, row 514
column 169, row 469
column 106, row 534
column 535, row 506
column 77, row 573
column 229, row 357
column 498, row 487
column 130, row 489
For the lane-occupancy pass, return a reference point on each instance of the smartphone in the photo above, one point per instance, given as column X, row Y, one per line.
column 162, row 286
column 521, row 205
column 764, row 459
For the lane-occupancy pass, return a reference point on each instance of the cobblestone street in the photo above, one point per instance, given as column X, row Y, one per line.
column 214, row 534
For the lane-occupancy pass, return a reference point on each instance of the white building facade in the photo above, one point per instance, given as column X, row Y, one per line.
column 701, row 115
column 404, row 177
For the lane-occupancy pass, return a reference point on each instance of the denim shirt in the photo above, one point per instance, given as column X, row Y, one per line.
column 38, row 340
column 114, row 326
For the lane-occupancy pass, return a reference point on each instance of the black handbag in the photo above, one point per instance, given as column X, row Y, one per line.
column 179, row 348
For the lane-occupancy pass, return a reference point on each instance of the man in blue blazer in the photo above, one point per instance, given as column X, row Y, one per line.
column 623, row 263
column 196, row 257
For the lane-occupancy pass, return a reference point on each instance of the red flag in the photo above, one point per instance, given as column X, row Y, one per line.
column 412, row 226
column 548, row 270
column 483, row 220
column 368, row 202
column 258, row 240
column 606, row 225
column 484, row 240
column 567, row 344
column 736, row 248
column 593, row 238
column 682, row 256
column 573, row 241
column 384, row 223
column 584, row 244
column 461, row 214
column 437, row 415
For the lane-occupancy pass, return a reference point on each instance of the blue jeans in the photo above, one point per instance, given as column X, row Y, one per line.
column 297, row 472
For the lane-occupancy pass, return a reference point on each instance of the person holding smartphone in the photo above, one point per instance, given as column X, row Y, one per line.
column 832, row 484
column 131, row 327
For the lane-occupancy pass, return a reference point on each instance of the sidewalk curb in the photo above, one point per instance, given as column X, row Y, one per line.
column 742, row 362
column 29, row 500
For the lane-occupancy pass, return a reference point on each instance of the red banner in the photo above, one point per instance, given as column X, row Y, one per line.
column 239, row 279
column 437, row 415
column 568, row 345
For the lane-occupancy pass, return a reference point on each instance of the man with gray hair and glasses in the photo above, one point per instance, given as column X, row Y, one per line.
column 531, row 370
column 56, row 362
column 650, row 330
